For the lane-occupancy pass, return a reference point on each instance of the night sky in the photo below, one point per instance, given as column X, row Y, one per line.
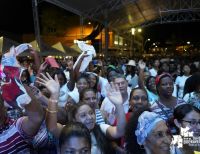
column 16, row 17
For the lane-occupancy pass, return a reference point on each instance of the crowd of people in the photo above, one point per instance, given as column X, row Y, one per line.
column 126, row 106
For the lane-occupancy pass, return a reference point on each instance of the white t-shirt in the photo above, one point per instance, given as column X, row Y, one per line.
column 180, row 82
column 153, row 72
column 63, row 95
column 103, row 83
column 94, row 148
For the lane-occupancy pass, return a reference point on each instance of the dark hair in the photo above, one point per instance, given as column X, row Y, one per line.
column 130, row 138
column 60, row 71
column 83, row 76
column 131, row 72
column 160, row 77
column 182, row 110
column 102, row 141
column 74, row 129
column 97, row 80
column 138, row 88
column 147, row 82
column 28, row 79
column 192, row 83
column 118, row 75
column 82, row 93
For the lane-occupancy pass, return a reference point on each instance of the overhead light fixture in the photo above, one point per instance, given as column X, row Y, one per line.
column 133, row 31
column 139, row 30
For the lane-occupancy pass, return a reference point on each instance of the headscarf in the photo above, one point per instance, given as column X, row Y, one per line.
column 146, row 122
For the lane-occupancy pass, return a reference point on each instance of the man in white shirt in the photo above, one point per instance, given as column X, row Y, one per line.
column 108, row 108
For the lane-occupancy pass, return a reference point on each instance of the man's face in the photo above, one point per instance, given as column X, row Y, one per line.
column 122, row 84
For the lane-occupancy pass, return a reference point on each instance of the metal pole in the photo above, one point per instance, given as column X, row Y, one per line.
column 106, row 39
column 81, row 27
column 36, row 23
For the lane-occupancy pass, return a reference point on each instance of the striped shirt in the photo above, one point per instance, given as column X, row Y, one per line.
column 164, row 111
column 99, row 117
column 14, row 140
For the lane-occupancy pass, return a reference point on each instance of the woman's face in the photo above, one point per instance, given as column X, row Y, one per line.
column 61, row 79
column 152, row 84
column 90, row 98
column 86, row 116
column 70, row 63
column 165, row 67
column 192, row 120
column 166, row 87
column 76, row 145
column 186, row 69
column 138, row 100
column 82, row 84
column 159, row 140
column 92, row 80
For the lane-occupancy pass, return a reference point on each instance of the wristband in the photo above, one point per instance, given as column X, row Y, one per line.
column 53, row 100
column 51, row 111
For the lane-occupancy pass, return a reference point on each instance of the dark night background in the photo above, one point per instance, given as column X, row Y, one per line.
column 16, row 17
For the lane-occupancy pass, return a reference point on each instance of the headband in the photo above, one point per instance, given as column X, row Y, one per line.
column 146, row 122
column 159, row 77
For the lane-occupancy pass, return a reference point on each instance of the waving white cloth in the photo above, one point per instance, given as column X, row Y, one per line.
column 90, row 51
column 9, row 58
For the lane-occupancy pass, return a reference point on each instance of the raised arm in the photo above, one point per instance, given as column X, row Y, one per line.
column 51, row 118
column 36, row 57
column 142, row 66
column 35, row 115
column 115, row 97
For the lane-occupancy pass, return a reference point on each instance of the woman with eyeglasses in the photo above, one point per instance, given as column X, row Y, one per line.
column 186, row 115
column 147, row 133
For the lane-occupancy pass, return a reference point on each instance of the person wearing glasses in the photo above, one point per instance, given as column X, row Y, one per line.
column 186, row 115
column 147, row 133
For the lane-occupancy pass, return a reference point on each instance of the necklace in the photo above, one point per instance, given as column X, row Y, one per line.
column 6, row 125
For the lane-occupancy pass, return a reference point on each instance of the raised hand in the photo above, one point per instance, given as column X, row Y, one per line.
column 43, row 66
column 141, row 64
column 114, row 95
column 51, row 84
